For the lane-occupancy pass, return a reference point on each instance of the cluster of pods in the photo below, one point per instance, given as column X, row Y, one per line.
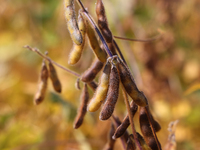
column 115, row 71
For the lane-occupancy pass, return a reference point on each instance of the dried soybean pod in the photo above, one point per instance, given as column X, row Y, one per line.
column 129, row 85
column 103, row 25
column 83, row 107
column 146, row 130
column 76, row 52
column 111, row 142
column 155, row 124
column 100, row 53
column 54, row 78
column 39, row 96
column 125, row 123
column 91, row 72
column 131, row 143
column 72, row 22
column 142, row 142
column 102, row 89
column 112, row 95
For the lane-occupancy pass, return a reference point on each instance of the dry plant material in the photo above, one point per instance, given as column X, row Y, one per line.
column 93, row 85
column 54, row 78
column 129, row 84
column 83, row 107
column 77, row 84
column 171, row 144
column 143, row 143
column 72, row 22
column 125, row 123
column 76, row 52
column 91, row 72
column 100, row 53
column 111, row 142
column 131, row 143
column 112, row 95
column 44, row 74
column 103, row 25
column 146, row 130
column 101, row 92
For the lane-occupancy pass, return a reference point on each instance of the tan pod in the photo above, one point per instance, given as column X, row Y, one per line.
column 77, row 50
column 72, row 22
column 102, row 89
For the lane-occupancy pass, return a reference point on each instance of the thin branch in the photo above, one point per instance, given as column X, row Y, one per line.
column 131, row 119
column 49, row 59
column 119, row 51
column 152, row 128
column 139, row 40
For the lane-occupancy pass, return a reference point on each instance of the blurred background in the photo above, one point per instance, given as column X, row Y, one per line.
column 167, row 70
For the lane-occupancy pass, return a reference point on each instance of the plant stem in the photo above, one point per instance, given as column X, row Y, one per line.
column 152, row 128
column 49, row 59
column 119, row 51
column 138, row 40
column 131, row 119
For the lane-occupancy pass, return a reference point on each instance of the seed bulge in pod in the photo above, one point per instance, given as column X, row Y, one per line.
column 102, row 89
column 112, row 95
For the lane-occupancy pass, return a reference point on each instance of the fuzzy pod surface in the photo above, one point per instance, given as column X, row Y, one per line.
column 112, row 95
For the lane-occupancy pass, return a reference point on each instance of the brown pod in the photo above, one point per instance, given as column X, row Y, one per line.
column 103, row 25
column 112, row 95
column 131, row 143
column 91, row 72
column 146, row 129
column 130, row 86
column 77, row 84
column 54, row 78
column 125, row 123
column 111, row 142
column 125, row 136
column 39, row 96
column 155, row 124
column 83, row 107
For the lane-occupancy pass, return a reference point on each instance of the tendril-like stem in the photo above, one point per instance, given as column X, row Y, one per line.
column 131, row 119
column 50, row 60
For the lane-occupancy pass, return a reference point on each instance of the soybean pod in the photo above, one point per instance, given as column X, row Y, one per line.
column 102, row 89
column 72, row 22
